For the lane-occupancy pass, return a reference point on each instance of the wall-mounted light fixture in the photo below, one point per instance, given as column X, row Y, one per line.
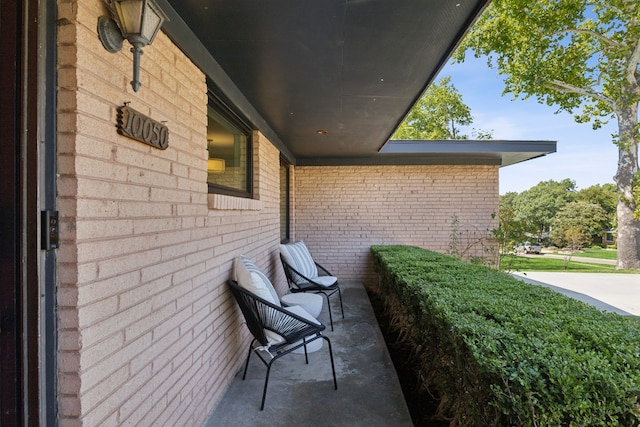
column 216, row 165
column 135, row 20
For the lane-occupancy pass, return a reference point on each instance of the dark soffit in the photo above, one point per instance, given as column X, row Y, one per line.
column 446, row 152
column 352, row 68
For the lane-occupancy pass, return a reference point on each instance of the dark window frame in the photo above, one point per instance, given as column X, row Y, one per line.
column 287, row 200
column 224, row 109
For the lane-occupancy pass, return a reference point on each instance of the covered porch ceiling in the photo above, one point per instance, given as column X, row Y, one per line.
column 326, row 80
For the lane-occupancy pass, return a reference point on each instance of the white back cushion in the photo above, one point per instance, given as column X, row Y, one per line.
column 297, row 256
column 251, row 278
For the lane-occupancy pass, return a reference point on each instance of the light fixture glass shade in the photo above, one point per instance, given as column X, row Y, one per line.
column 216, row 165
column 139, row 20
column 129, row 16
column 152, row 21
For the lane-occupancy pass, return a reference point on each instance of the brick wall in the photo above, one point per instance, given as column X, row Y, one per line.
column 148, row 334
column 341, row 211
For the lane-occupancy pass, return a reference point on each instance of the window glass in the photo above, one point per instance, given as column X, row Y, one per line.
column 228, row 144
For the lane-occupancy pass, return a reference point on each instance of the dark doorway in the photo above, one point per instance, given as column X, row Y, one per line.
column 10, row 83
column 27, row 345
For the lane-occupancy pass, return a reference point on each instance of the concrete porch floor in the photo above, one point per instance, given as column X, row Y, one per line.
column 368, row 394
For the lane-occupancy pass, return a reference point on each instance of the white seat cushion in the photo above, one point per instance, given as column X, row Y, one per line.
column 312, row 303
column 314, row 345
column 251, row 278
column 298, row 256
column 299, row 311
column 274, row 338
column 325, row 280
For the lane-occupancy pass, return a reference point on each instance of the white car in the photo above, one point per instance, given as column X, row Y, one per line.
column 527, row 248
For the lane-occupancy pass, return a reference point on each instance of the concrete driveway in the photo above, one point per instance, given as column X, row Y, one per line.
column 613, row 292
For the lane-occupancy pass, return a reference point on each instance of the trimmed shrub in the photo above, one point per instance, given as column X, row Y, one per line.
column 500, row 352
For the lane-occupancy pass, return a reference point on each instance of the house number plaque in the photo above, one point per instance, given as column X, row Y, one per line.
column 136, row 125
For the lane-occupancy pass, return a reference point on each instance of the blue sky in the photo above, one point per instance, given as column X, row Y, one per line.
column 586, row 156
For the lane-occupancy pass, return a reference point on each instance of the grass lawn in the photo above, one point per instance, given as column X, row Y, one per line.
column 597, row 253
column 516, row 263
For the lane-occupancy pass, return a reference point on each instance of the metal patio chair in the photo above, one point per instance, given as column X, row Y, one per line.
column 276, row 331
column 305, row 275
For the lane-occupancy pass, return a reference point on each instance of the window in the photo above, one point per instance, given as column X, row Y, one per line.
column 229, row 145
column 285, row 233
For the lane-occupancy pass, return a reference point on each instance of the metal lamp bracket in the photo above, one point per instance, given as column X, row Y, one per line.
column 136, row 20
column 109, row 34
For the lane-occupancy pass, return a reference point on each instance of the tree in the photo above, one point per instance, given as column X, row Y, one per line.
column 510, row 230
column 480, row 134
column 603, row 195
column 582, row 56
column 438, row 114
column 575, row 239
column 537, row 206
column 578, row 217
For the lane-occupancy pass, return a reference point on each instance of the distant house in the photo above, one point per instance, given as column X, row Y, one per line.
column 607, row 237
column 274, row 118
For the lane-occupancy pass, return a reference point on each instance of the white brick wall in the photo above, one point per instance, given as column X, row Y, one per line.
column 341, row 211
column 148, row 334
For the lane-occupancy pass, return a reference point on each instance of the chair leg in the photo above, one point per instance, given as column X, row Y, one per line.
column 306, row 355
column 266, row 379
column 266, row 383
column 333, row 368
column 246, row 364
column 329, row 308
column 341, row 308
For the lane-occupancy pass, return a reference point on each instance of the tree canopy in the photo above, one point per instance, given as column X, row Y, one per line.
column 556, row 210
column 438, row 114
column 578, row 218
column 583, row 57
column 603, row 195
column 538, row 205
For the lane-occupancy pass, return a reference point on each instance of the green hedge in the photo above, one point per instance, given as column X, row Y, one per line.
column 501, row 352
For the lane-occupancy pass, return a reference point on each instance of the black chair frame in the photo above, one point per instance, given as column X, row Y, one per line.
column 259, row 315
column 311, row 286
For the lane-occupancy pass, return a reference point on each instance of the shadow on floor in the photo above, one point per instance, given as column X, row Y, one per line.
column 368, row 394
